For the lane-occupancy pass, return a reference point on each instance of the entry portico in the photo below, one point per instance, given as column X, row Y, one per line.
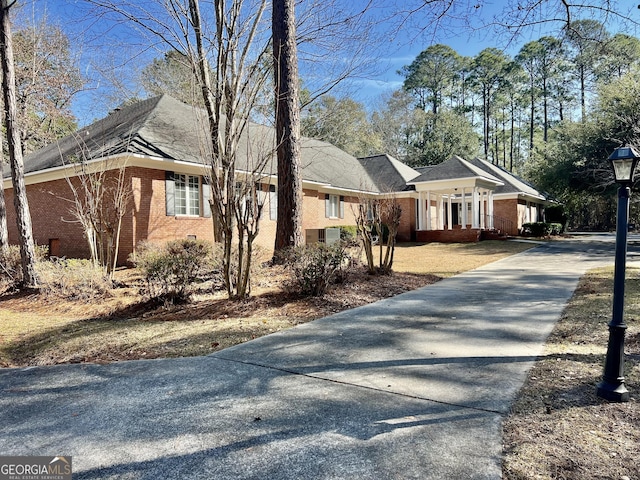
column 454, row 195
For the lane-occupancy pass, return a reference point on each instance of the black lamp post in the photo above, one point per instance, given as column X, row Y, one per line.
column 612, row 387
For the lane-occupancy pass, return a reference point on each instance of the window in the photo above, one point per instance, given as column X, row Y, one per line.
column 333, row 206
column 187, row 195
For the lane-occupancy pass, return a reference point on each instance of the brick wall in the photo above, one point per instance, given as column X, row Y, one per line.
column 407, row 228
column 146, row 217
column 507, row 209
column 457, row 235
column 313, row 212
column 50, row 204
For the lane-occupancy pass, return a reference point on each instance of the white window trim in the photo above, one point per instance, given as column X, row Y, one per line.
column 334, row 206
column 187, row 179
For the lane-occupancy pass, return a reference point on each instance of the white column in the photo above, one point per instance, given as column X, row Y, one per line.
column 440, row 216
column 428, row 211
column 420, row 211
column 483, row 197
column 474, row 208
column 449, row 213
column 491, row 222
column 464, row 210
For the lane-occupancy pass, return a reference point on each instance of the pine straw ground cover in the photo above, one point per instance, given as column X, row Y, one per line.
column 558, row 428
column 123, row 325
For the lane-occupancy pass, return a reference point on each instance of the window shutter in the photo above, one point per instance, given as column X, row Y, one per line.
column 169, row 193
column 206, row 195
column 341, row 206
column 327, row 205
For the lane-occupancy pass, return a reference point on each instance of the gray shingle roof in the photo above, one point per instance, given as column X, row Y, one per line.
column 389, row 174
column 512, row 183
column 165, row 128
column 452, row 169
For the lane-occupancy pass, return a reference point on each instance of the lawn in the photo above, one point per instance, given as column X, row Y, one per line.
column 37, row 330
column 558, row 428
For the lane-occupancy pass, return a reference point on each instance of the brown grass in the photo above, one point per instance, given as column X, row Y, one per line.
column 40, row 330
column 558, row 427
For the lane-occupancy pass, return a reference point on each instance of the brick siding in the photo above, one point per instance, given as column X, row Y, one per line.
column 457, row 235
column 146, row 218
column 508, row 210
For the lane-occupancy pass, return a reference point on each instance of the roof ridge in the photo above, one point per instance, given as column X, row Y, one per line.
column 510, row 177
column 474, row 169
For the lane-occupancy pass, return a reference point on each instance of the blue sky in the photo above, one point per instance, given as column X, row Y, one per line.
column 466, row 28
column 472, row 27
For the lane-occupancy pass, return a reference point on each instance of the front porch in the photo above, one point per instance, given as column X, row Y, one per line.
column 455, row 202
column 458, row 215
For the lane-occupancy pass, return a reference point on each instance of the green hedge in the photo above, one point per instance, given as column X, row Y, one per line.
column 541, row 229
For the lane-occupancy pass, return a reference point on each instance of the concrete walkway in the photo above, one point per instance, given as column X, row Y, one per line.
column 413, row 387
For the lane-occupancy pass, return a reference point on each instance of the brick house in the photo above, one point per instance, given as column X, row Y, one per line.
column 158, row 144
column 462, row 199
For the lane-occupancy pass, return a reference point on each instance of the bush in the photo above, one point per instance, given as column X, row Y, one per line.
column 541, row 229
column 216, row 264
column 73, row 279
column 349, row 234
column 11, row 267
column 169, row 269
column 315, row 267
column 555, row 214
column 557, row 228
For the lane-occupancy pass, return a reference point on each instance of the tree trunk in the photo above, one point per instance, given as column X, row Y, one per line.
column 4, row 234
column 532, row 117
column 511, row 137
column 23, row 217
column 583, row 94
column 289, row 220
column 545, row 112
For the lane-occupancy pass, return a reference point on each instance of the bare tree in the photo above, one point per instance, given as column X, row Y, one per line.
column 227, row 47
column 47, row 78
column 23, row 217
column 377, row 221
column 238, row 79
column 101, row 197
column 514, row 19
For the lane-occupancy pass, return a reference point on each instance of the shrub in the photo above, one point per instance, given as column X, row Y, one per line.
column 11, row 267
column 73, row 278
column 556, row 228
column 315, row 267
column 216, row 264
column 169, row 269
column 349, row 234
column 541, row 229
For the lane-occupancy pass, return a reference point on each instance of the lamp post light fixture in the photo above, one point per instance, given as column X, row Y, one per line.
column 623, row 161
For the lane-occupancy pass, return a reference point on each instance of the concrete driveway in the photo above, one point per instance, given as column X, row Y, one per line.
column 413, row 387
